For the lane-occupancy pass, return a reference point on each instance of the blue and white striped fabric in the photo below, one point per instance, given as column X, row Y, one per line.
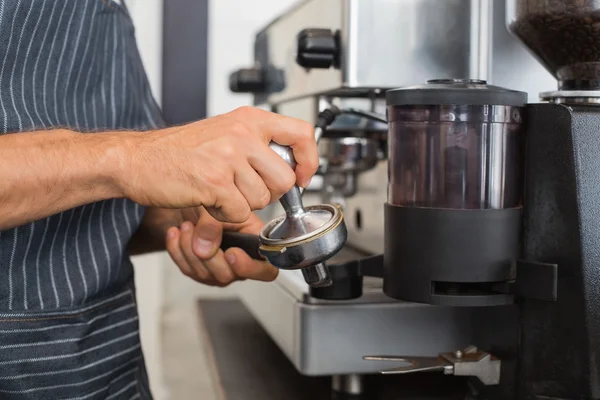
column 68, row 319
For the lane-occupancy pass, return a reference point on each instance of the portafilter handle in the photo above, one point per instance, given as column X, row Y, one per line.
column 317, row 275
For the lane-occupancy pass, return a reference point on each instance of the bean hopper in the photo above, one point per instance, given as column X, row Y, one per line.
column 454, row 196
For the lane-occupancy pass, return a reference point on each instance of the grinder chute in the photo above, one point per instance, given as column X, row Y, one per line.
column 453, row 215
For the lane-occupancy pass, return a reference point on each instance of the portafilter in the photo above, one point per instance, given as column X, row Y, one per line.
column 304, row 237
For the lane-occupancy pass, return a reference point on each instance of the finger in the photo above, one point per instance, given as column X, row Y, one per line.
column 231, row 205
column 245, row 267
column 172, row 245
column 289, row 132
column 276, row 174
column 220, row 269
column 207, row 236
column 185, row 246
column 204, row 249
column 253, row 188
column 252, row 226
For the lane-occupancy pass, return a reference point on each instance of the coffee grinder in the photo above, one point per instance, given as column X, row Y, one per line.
column 493, row 201
column 559, row 353
column 453, row 214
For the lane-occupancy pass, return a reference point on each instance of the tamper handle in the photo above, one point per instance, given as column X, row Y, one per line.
column 318, row 275
column 284, row 152
column 292, row 200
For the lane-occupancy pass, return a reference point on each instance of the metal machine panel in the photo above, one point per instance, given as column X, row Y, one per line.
column 366, row 206
column 383, row 44
column 280, row 51
column 331, row 337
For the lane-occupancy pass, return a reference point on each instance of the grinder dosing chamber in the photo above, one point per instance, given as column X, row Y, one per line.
column 452, row 220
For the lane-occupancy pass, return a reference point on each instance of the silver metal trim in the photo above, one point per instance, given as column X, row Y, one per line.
column 480, row 38
column 336, row 216
column 591, row 97
column 331, row 337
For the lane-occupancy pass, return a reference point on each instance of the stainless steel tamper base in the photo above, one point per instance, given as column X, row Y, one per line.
column 305, row 240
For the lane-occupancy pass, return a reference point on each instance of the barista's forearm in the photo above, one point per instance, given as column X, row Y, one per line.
column 44, row 173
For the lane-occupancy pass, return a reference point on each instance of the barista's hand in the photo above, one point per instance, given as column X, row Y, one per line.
column 222, row 163
column 194, row 247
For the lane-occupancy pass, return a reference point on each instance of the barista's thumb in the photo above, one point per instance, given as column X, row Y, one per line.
column 207, row 236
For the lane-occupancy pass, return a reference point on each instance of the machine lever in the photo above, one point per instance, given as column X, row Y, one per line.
column 469, row 362
column 416, row 364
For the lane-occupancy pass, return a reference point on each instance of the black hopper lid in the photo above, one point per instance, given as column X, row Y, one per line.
column 455, row 91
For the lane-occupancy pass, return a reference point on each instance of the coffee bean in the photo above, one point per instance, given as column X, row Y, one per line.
column 565, row 36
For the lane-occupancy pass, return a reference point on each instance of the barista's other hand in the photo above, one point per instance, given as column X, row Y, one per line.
column 195, row 248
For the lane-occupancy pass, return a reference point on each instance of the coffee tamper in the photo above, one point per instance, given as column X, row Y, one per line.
column 304, row 237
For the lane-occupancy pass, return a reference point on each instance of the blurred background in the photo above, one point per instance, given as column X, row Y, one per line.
column 177, row 360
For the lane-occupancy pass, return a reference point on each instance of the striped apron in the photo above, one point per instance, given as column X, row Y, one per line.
column 68, row 318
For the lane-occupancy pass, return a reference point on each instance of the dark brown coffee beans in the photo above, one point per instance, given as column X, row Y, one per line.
column 565, row 36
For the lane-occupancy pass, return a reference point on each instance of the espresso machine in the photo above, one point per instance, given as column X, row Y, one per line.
column 472, row 240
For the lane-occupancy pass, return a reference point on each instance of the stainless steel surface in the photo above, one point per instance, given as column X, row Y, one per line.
column 572, row 96
column 318, row 134
column 331, row 337
column 455, row 156
column 385, row 44
column 588, row 101
column 371, row 185
column 299, row 224
column 284, row 152
column 347, row 155
column 478, row 364
column 317, row 275
column 341, row 160
column 288, row 242
column 480, row 39
column 418, row 39
column 470, row 362
column 414, row 364
column 348, row 384
column 363, row 212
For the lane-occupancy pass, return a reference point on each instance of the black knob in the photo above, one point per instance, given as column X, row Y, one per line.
column 318, row 48
column 248, row 80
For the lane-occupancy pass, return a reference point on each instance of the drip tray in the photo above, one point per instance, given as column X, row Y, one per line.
column 250, row 366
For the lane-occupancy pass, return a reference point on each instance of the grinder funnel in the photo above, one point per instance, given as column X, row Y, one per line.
column 565, row 37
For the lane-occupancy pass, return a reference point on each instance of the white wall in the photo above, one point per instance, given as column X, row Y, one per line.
column 147, row 17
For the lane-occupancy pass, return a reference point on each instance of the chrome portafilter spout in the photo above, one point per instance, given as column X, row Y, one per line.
column 305, row 237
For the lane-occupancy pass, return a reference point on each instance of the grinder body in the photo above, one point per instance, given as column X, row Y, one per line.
column 453, row 215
